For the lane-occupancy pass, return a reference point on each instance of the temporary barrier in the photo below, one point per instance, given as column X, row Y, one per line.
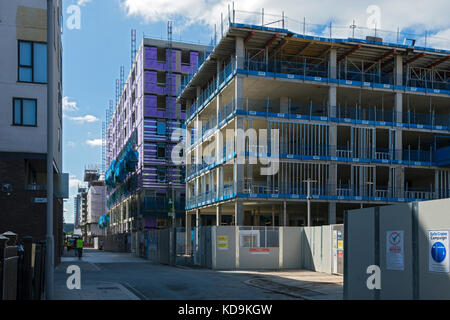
column 409, row 243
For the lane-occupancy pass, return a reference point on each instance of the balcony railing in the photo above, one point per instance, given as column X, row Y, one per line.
column 299, row 190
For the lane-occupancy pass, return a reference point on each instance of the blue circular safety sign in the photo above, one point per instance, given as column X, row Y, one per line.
column 438, row 252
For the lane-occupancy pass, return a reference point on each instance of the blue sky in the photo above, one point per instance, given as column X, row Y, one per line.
column 93, row 54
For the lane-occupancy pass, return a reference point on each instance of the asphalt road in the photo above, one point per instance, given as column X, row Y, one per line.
column 152, row 281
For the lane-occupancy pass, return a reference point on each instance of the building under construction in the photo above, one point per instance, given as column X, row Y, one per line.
column 361, row 121
column 143, row 184
column 93, row 203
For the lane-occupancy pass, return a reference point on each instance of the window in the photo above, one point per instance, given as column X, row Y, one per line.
column 161, row 79
column 161, row 103
column 161, row 175
column 24, row 112
column 161, row 54
column 182, row 175
column 161, row 127
column 32, row 62
column 161, row 151
column 185, row 57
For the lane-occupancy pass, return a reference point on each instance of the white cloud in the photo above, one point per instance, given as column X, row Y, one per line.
column 83, row 2
column 423, row 15
column 74, row 182
column 94, row 143
column 83, row 119
column 69, row 105
column 71, row 144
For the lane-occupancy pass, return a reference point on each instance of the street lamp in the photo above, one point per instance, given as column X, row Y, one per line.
column 308, row 200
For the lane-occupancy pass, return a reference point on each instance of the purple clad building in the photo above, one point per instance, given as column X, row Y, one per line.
column 144, row 185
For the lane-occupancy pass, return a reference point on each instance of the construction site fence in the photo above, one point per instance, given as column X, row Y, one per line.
column 409, row 245
column 116, row 242
column 247, row 247
column 22, row 267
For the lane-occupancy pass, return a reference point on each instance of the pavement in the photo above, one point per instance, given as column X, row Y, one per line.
column 121, row 276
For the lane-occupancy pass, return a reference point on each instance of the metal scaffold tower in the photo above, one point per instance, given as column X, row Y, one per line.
column 133, row 46
column 169, row 57
column 117, row 91
column 122, row 79
column 104, row 143
column 169, row 63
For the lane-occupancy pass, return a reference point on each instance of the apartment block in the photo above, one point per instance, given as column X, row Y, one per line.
column 353, row 122
column 80, row 210
column 95, row 203
column 23, row 120
column 143, row 183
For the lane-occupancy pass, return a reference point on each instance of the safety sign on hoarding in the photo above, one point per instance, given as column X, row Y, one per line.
column 395, row 254
column 222, row 242
column 438, row 251
column 259, row 251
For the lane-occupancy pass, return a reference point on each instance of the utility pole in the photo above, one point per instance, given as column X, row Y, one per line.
column 49, row 263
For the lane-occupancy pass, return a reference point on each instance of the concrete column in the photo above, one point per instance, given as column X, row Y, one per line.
column 188, row 233
column 285, row 222
column 218, row 215
column 238, row 169
column 273, row 216
column 255, row 218
column 332, row 101
column 333, row 63
column 198, row 219
column 238, row 213
column 332, row 213
column 398, row 65
column 239, row 91
column 240, row 52
column 332, row 178
column 284, row 105
column 398, row 69
column 219, row 66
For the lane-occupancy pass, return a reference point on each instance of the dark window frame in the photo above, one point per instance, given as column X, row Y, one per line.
column 162, row 170
column 162, row 146
column 32, row 61
column 158, row 103
column 21, row 112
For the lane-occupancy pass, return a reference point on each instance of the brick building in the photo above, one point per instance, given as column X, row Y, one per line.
column 23, row 121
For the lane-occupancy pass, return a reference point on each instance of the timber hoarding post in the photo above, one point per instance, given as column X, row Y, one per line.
column 49, row 263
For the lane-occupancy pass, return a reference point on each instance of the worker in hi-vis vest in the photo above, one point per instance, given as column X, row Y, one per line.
column 80, row 247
